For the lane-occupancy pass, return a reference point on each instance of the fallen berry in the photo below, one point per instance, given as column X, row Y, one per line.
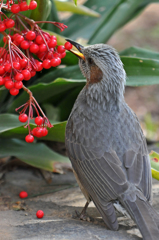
column 23, row 194
column 39, row 214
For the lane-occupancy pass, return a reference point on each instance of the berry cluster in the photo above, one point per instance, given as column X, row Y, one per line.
column 22, row 43
column 42, row 122
column 27, row 49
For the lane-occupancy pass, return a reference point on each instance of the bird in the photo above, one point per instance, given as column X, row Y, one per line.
column 106, row 145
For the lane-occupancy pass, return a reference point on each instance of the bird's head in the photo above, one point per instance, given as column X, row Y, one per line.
column 101, row 65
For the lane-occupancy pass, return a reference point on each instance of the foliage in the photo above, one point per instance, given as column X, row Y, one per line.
column 57, row 89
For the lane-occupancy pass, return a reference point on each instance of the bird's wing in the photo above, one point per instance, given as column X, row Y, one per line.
column 107, row 176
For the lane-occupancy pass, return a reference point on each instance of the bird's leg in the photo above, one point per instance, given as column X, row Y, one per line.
column 83, row 214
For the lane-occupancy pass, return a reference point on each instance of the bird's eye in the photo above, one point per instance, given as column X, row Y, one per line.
column 90, row 60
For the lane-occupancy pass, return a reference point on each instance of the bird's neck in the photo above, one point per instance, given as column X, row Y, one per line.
column 104, row 96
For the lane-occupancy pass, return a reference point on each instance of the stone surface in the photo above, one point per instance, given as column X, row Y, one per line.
column 60, row 221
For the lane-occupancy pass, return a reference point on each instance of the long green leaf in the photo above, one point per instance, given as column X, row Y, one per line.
column 114, row 20
column 141, row 71
column 70, row 7
column 35, row 154
column 43, row 91
column 114, row 14
column 10, row 127
column 140, row 53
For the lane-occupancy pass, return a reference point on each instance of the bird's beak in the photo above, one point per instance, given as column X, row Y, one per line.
column 79, row 47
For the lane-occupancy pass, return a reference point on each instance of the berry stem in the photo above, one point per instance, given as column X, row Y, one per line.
column 18, row 18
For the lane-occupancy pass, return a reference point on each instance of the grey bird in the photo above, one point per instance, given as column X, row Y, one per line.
column 106, row 145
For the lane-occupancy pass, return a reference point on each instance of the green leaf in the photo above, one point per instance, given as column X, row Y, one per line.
column 10, row 127
column 60, row 39
column 70, row 7
column 34, row 154
column 140, row 53
column 43, row 91
column 154, row 159
column 70, row 72
column 114, row 20
column 42, row 11
column 53, row 16
column 141, row 71
column 114, row 14
column 75, row 1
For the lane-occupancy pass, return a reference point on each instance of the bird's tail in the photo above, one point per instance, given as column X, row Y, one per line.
column 145, row 217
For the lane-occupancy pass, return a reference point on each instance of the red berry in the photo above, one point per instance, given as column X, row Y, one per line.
column 50, row 55
column 34, row 48
column 29, row 138
column 61, row 49
column 32, row 73
column 39, row 120
column 2, row 81
column 23, row 6
column 9, row 23
column 23, row 194
column 39, row 214
column 42, row 47
column 23, row 117
column 2, row 27
column 14, row 36
column 9, row 84
column 19, row 77
column 26, row 73
column 24, row 44
column 33, row 5
column 31, row 35
column 8, row 67
column 16, row 65
column 2, row 70
column 46, row 64
column 23, row 62
column 52, row 43
column 39, row 40
column 62, row 55
column 44, row 132
column 55, row 62
column 4, row 39
column 15, row 8
column 68, row 46
column 14, row 91
column 39, row 66
column 19, row 38
column 18, row 85
column 7, row 78
column 37, row 132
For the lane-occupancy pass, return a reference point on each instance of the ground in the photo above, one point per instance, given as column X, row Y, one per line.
column 18, row 217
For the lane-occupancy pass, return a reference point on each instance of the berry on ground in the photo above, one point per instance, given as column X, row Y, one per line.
column 39, row 214
column 23, row 194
